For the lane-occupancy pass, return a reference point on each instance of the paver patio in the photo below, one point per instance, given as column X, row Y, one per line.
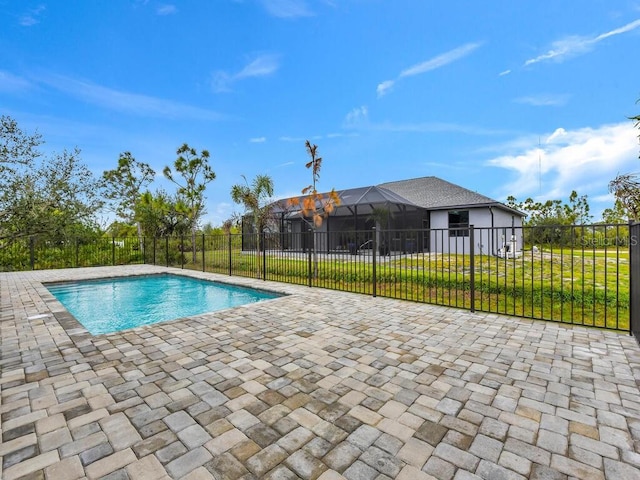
column 317, row 384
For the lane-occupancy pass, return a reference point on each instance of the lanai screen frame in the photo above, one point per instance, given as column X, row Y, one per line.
column 355, row 217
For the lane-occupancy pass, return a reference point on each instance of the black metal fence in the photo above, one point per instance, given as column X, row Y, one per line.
column 586, row 275
column 33, row 253
column 634, row 279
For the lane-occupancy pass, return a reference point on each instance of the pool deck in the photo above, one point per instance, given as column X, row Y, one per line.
column 316, row 384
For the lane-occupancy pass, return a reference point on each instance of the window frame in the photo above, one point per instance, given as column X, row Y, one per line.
column 461, row 227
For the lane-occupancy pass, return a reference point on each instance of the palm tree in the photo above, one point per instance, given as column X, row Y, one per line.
column 381, row 217
column 314, row 205
column 256, row 199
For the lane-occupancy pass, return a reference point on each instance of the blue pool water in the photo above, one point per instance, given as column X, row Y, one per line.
column 114, row 304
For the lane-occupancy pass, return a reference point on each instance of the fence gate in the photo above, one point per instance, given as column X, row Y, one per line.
column 634, row 279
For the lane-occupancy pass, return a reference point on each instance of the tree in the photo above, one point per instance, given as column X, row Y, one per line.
column 55, row 198
column 256, row 199
column 615, row 229
column 72, row 191
column 314, row 206
column 616, row 215
column 18, row 153
column 124, row 185
column 577, row 210
column 18, row 150
column 381, row 217
column 121, row 229
column 551, row 220
column 626, row 187
column 554, row 212
column 161, row 215
column 196, row 174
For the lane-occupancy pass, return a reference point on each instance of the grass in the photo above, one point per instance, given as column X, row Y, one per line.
column 586, row 287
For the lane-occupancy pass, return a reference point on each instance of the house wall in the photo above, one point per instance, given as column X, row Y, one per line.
column 503, row 223
column 486, row 239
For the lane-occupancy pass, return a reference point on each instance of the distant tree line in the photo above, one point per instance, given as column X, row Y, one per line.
column 55, row 197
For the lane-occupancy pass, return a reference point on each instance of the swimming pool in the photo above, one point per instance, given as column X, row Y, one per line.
column 115, row 304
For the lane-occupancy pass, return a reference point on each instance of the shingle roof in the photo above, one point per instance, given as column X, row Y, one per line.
column 433, row 193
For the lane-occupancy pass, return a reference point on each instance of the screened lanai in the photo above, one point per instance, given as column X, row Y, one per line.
column 349, row 224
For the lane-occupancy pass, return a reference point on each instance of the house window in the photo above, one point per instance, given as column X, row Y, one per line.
column 459, row 223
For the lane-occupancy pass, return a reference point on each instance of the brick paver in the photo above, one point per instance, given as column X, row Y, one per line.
column 314, row 385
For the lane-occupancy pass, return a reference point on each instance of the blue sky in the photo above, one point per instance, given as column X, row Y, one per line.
column 523, row 98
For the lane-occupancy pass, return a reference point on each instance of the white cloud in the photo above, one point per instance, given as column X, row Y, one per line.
column 357, row 117
column 261, row 66
column 131, row 103
column 286, row 138
column 440, row 60
column 503, row 73
column 576, row 45
column 449, row 166
column 543, row 100
column 341, row 135
column 166, row 10
column 569, row 159
column 12, row 83
column 258, row 140
column 606, row 198
column 32, row 17
column 429, row 65
column 559, row 133
column 287, row 8
column 384, row 87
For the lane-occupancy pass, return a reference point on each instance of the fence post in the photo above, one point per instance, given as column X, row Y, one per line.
column 32, row 253
column 166, row 250
column 310, row 262
column 230, row 262
column 182, row 251
column 634, row 279
column 472, row 270
column 264, row 256
column 203, row 252
column 375, row 253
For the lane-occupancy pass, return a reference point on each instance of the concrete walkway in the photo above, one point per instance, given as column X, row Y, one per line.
column 318, row 384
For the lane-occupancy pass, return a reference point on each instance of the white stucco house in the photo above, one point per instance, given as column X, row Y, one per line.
column 424, row 214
